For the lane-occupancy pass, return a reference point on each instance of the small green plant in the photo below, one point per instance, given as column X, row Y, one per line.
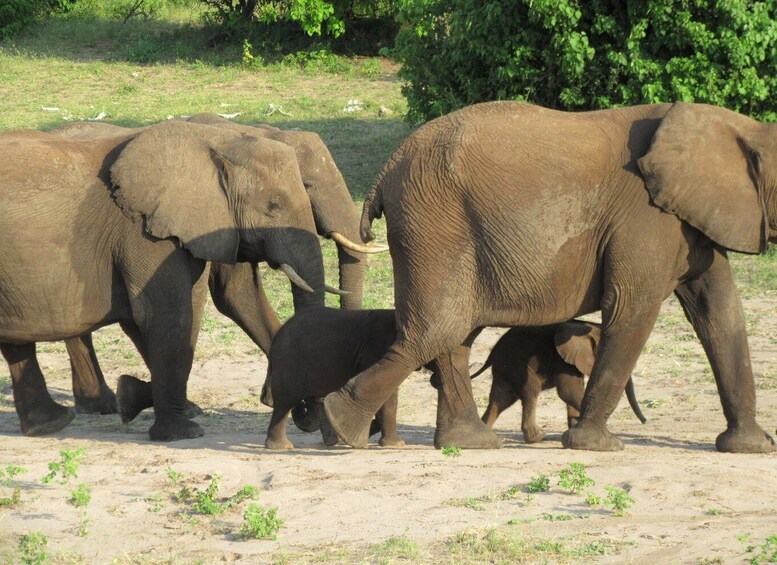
column 540, row 483
column 7, row 474
column 32, row 548
column 174, row 476
column 66, row 467
column 205, row 502
column 80, row 496
column 715, row 512
column 83, row 528
column 764, row 553
column 7, row 480
column 574, row 478
column 451, row 451
column 592, row 499
column 259, row 523
column 618, row 499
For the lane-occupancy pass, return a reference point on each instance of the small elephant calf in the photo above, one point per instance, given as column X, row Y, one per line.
column 316, row 352
column 526, row 361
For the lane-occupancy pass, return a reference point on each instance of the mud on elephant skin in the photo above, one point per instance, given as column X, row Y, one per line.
column 128, row 226
column 315, row 353
column 526, row 361
column 508, row 214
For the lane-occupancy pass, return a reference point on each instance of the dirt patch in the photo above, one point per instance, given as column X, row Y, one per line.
column 691, row 504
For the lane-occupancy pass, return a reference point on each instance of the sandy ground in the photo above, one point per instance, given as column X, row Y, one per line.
column 692, row 504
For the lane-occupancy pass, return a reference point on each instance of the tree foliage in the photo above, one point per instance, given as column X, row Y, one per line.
column 580, row 55
column 15, row 15
column 315, row 17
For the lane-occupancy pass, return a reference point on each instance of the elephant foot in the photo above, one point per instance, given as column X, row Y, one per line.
column 750, row 439
column 278, row 444
column 307, row 415
column 133, row 396
column 42, row 422
column 466, row 435
column 328, row 433
column 349, row 421
column 391, row 441
column 591, row 439
column 171, row 430
column 103, row 404
column 191, row 410
column 533, row 434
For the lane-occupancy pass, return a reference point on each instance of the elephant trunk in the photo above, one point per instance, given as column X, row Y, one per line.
column 352, row 268
column 299, row 249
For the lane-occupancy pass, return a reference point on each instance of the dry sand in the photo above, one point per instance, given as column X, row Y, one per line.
column 692, row 504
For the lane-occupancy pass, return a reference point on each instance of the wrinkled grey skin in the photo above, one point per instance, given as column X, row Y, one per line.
column 236, row 290
column 120, row 229
column 526, row 361
column 315, row 353
column 508, row 214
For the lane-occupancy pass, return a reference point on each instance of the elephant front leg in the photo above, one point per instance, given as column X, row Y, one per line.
column 350, row 409
column 532, row 433
column 712, row 305
column 387, row 417
column 90, row 390
column 570, row 388
column 629, row 316
column 38, row 413
column 458, row 424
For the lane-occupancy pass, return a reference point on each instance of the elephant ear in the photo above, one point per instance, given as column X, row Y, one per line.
column 704, row 166
column 174, row 177
column 576, row 344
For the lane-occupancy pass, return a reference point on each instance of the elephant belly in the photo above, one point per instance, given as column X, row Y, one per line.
column 42, row 300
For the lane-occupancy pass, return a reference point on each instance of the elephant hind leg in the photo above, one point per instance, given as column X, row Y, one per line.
column 38, row 413
column 276, row 431
column 90, row 390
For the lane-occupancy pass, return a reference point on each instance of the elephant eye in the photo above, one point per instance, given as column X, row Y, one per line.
column 308, row 186
column 273, row 206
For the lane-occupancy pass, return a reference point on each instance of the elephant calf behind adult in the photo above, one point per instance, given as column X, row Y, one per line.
column 508, row 214
column 526, row 361
column 120, row 229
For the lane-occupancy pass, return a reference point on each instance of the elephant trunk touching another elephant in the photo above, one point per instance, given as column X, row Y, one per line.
column 539, row 216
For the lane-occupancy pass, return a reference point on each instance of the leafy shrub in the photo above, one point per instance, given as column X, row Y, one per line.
column 32, row 548
column 259, row 523
column 586, row 55
column 15, row 15
column 315, row 17
column 540, row 483
column 574, row 478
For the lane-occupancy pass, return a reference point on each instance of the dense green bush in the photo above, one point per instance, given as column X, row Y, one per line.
column 315, row 17
column 15, row 15
column 586, row 55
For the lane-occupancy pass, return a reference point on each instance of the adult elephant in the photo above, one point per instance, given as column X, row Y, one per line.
column 237, row 289
column 510, row 214
column 119, row 229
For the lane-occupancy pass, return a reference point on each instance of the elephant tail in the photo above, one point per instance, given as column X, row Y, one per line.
column 486, row 365
column 633, row 401
column 373, row 208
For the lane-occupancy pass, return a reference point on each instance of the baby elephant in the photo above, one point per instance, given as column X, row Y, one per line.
column 526, row 361
column 315, row 353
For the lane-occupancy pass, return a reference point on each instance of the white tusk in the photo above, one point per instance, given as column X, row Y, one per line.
column 295, row 278
column 337, row 291
column 345, row 242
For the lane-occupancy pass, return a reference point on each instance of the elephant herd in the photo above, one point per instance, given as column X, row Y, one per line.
column 499, row 214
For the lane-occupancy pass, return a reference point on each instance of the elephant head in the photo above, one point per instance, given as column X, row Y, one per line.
column 334, row 211
column 716, row 170
column 226, row 197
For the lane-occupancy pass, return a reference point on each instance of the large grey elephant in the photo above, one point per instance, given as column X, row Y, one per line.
column 119, row 229
column 237, row 290
column 509, row 214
